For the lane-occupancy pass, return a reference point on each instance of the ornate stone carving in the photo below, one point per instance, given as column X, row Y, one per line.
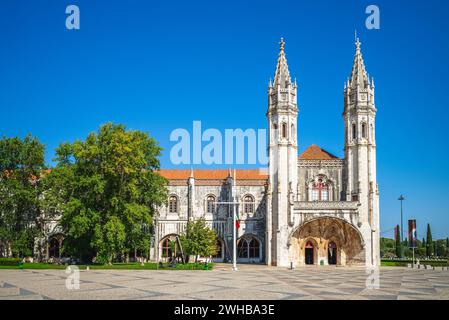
column 326, row 205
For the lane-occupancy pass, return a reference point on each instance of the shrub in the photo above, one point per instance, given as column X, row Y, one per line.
column 10, row 261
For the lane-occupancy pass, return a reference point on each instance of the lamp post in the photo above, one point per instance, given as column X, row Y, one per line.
column 401, row 198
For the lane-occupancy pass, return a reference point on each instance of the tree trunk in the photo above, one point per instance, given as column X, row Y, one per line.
column 9, row 249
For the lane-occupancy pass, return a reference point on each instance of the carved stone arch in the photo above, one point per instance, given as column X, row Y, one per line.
column 324, row 230
column 344, row 222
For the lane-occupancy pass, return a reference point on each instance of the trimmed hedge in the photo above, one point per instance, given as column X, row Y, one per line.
column 404, row 262
column 10, row 261
column 115, row 266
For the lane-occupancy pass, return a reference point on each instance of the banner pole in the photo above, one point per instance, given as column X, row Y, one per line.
column 234, row 240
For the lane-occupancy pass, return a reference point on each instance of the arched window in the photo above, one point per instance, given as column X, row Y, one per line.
column 173, row 204
column 248, row 204
column 165, row 248
column 284, row 130
column 248, row 248
column 242, row 249
column 253, row 248
column 320, row 191
column 354, row 131
column 210, row 204
column 364, row 130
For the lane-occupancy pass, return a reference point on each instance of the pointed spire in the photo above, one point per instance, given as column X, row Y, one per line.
column 359, row 76
column 282, row 75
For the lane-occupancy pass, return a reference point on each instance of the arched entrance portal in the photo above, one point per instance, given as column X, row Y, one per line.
column 309, row 251
column 54, row 246
column 332, row 253
column 327, row 241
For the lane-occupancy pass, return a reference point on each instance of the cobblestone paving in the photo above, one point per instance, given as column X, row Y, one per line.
column 250, row 282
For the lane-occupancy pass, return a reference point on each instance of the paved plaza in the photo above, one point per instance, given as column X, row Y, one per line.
column 250, row 282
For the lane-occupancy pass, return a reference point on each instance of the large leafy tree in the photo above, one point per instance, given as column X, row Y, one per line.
column 107, row 190
column 21, row 164
column 199, row 239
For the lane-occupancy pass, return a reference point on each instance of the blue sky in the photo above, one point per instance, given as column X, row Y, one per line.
column 158, row 65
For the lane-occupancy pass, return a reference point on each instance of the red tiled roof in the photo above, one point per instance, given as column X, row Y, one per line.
column 316, row 153
column 214, row 174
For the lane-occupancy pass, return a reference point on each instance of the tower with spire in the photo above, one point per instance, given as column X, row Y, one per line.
column 283, row 166
column 360, row 153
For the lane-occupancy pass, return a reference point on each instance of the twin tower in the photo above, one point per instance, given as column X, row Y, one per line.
column 300, row 218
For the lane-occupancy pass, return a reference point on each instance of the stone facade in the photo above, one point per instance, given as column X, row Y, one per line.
column 312, row 209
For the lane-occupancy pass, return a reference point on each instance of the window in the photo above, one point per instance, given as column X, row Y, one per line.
column 363, row 130
column 165, row 248
column 173, row 204
column 248, row 248
column 284, row 130
column 354, row 131
column 242, row 249
column 248, row 204
column 320, row 191
column 253, row 246
column 210, row 204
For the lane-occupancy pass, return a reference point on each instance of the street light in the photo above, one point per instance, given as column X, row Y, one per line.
column 401, row 198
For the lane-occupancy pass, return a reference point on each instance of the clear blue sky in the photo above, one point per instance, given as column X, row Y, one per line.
column 159, row 65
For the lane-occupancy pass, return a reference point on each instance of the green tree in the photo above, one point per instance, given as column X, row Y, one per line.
column 199, row 239
column 398, row 246
column 21, row 164
column 429, row 242
column 440, row 249
column 107, row 189
column 447, row 247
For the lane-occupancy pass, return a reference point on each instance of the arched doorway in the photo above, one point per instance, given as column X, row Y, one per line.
column 169, row 249
column 309, row 252
column 55, row 247
column 332, row 253
column 327, row 240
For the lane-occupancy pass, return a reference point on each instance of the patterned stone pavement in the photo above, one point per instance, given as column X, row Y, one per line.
column 250, row 282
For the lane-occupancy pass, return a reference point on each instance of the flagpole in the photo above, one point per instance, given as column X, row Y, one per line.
column 234, row 239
